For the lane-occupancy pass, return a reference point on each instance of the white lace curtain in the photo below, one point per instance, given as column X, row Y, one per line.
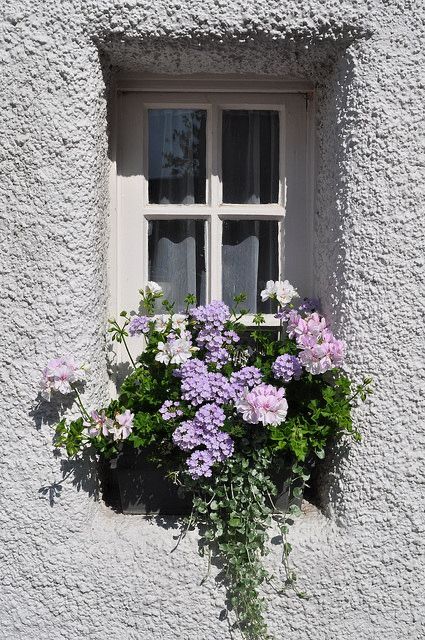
column 177, row 258
column 250, row 258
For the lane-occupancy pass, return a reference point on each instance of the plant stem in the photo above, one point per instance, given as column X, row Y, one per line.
column 128, row 352
column 80, row 403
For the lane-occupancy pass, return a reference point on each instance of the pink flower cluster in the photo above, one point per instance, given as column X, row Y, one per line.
column 59, row 375
column 320, row 350
column 265, row 404
column 119, row 429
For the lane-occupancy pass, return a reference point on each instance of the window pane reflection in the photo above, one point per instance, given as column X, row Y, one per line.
column 250, row 156
column 177, row 168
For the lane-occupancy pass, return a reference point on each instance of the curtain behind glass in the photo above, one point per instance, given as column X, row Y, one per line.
column 250, row 258
column 250, row 156
column 177, row 258
column 177, row 168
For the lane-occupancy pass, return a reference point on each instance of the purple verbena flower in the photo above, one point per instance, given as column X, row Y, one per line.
column 213, row 315
column 287, row 367
column 308, row 305
column 219, row 357
column 190, row 368
column 196, row 389
column 222, row 391
column 210, row 415
column 204, row 430
column 138, row 325
column 200, row 463
column 246, row 377
column 220, row 445
column 283, row 314
column 187, row 436
column 230, row 337
column 170, row 410
column 211, row 335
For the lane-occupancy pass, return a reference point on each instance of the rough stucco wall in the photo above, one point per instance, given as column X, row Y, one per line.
column 71, row 568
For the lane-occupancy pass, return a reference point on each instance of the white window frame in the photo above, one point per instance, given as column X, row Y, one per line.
column 131, row 211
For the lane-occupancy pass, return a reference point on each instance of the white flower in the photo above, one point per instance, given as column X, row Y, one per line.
column 179, row 321
column 176, row 351
column 161, row 322
column 153, row 288
column 269, row 292
column 283, row 292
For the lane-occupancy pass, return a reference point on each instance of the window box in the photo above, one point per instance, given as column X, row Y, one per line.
column 137, row 486
column 142, row 488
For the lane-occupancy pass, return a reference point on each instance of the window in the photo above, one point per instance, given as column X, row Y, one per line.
column 213, row 187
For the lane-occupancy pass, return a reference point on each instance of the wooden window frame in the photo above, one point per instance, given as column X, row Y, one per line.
column 131, row 211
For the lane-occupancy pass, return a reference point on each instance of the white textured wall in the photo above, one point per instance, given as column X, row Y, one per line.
column 71, row 568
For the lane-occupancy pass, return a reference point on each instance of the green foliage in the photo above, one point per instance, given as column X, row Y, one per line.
column 234, row 507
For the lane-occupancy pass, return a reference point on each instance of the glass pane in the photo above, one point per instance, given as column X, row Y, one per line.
column 177, row 156
column 176, row 251
column 250, row 156
column 250, row 255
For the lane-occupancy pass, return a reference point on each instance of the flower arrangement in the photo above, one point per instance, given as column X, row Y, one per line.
column 223, row 405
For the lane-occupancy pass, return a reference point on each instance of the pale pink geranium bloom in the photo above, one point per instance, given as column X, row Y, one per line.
column 161, row 321
column 125, row 422
column 59, row 375
column 312, row 325
column 265, row 404
column 319, row 354
column 99, row 424
column 315, row 324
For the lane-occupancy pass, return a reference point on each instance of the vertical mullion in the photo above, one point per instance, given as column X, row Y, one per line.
column 282, row 189
column 145, row 196
column 215, row 222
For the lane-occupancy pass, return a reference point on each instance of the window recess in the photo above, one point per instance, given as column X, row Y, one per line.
column 214, row 191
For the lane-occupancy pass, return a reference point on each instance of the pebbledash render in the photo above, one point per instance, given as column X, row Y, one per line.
column 73, row 568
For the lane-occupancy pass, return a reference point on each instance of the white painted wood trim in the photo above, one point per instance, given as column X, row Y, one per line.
column 133, row 81
column 130, row 216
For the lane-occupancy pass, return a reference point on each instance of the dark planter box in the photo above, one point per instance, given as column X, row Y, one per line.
column 136, row 486
column 142, row 488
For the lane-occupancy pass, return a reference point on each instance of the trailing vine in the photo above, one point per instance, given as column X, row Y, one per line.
column 230, row 412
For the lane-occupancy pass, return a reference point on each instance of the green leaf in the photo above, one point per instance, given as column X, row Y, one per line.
column 234, row 522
